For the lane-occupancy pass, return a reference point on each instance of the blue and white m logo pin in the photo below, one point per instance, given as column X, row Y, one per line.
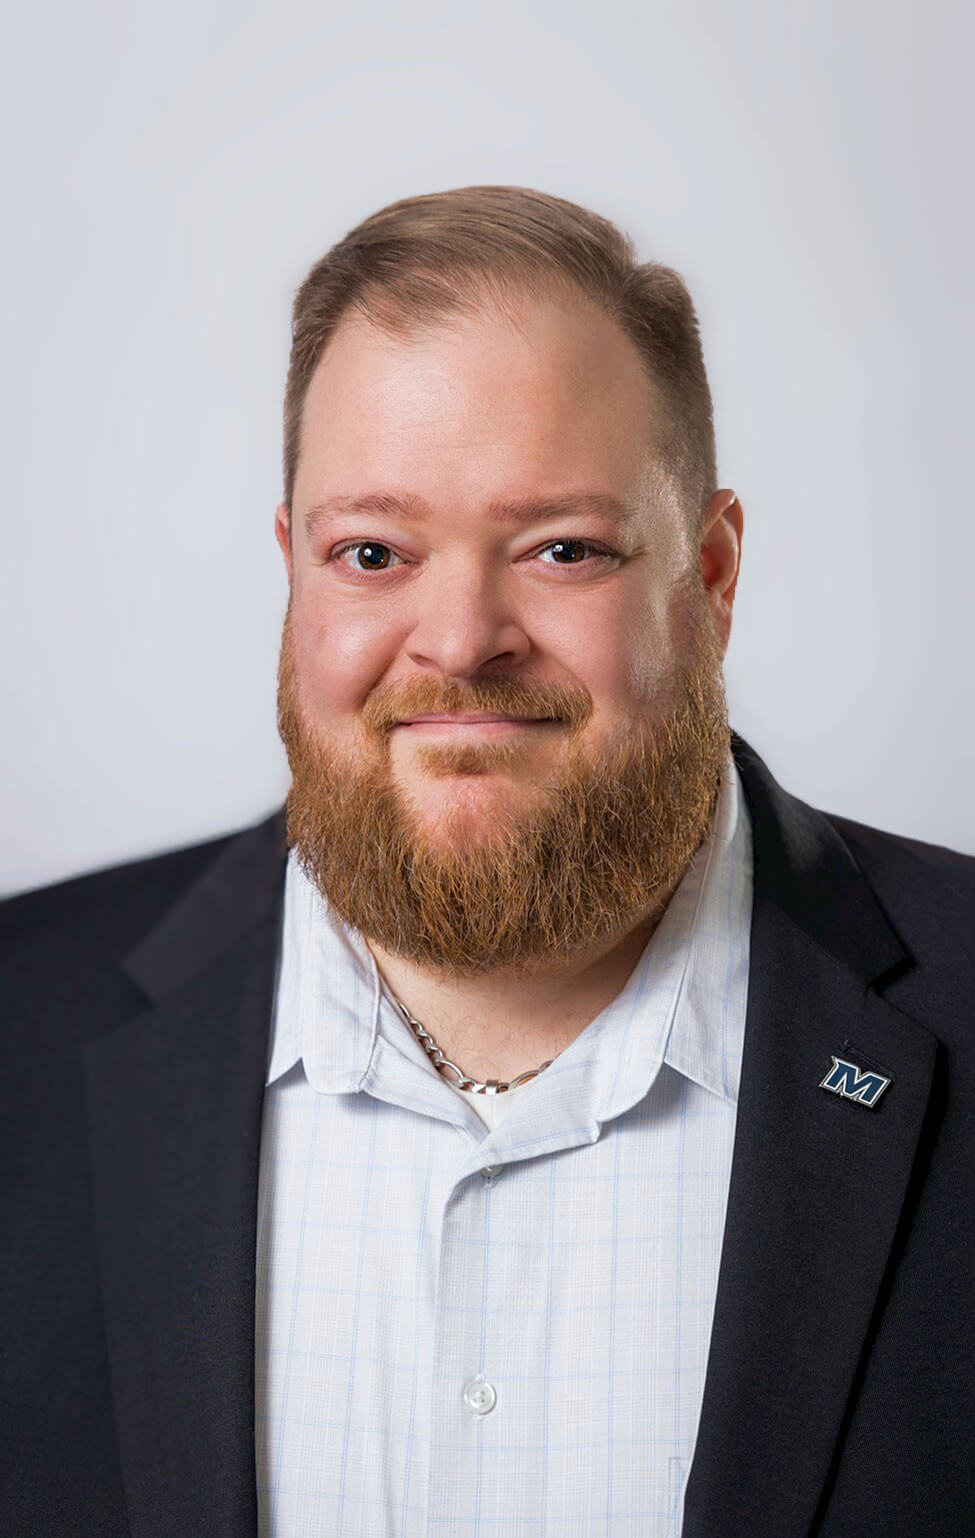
column 853, row 1083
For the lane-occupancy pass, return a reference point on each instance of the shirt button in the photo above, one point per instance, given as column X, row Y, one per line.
column 490, row 1170
column 480, row 1396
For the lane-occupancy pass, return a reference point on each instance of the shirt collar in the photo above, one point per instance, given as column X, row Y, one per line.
column 708, row 1024
column 684, row 1003
column 329, row 990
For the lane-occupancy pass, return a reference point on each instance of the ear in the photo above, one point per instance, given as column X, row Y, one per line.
column 282, row 533
column 721, row 556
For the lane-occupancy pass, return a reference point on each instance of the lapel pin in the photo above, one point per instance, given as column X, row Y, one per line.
column 854, row 1083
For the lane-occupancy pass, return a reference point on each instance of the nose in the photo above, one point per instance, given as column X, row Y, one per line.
column 465, row 620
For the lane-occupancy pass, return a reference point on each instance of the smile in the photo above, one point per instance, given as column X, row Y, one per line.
column 478, row 722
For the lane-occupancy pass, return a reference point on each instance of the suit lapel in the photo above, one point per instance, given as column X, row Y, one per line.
column 818, row 1182
column 175, row 1097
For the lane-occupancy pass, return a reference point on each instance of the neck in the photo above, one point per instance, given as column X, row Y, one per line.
column 496, row 1025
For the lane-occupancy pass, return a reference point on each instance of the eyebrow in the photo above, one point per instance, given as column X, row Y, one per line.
column 526, row 510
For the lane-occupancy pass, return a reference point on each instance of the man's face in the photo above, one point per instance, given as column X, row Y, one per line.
column 478, row 530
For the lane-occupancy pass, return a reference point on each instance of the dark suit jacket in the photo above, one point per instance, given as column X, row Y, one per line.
column 136, row 1003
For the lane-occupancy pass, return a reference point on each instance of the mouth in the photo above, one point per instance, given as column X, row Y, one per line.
column 479, row 722
column 481, row 718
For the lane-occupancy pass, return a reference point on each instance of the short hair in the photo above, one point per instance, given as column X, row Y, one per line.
column 417, row 261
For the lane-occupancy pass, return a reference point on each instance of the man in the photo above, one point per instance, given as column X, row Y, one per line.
column 544, row 1123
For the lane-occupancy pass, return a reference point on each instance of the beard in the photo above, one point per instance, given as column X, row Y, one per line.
column 592, row 852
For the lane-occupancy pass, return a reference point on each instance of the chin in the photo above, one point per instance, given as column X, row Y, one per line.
column 469, row 806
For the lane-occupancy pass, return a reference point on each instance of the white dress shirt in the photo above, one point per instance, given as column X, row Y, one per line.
column 466, row 1329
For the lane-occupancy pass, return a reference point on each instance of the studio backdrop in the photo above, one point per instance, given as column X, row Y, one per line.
column 172, row 172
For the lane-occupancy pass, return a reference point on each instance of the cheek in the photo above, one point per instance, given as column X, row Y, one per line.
column 663, row 636
column 646, row 666
column 341, row 657
column 617, row 653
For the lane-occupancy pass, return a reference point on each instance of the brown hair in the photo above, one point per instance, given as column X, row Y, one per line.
column 417, row 261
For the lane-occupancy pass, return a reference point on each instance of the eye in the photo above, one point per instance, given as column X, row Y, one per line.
column 361, row 556
column 574, row 552
column 374, row 556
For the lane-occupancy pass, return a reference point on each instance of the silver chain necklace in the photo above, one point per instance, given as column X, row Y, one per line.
column 463, row 1081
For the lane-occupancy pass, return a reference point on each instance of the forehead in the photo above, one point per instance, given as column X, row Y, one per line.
column 545, row 395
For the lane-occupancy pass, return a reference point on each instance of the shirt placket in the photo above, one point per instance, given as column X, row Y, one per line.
column 470, row 1361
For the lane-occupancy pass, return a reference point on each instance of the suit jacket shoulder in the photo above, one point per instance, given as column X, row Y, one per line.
column 927, row 894
column 82, row 928
column 106, row 904
column 926, row 873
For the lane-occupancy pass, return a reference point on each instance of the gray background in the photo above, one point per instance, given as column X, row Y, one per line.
column 173, row 172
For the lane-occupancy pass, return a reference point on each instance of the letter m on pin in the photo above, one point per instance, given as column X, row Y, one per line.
column 848, row 1080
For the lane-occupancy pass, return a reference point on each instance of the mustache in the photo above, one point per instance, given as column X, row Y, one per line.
column 388, row 704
